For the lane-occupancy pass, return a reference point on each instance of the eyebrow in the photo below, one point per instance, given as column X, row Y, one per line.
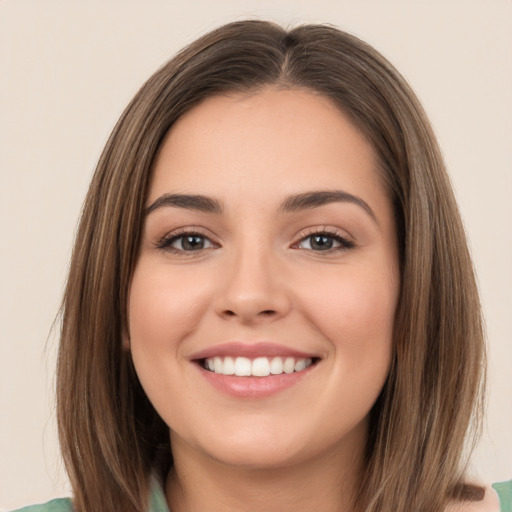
column 188, row 201
column 318, row 198
column 297, row 202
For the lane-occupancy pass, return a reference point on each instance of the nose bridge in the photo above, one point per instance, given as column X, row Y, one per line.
column 251, row 284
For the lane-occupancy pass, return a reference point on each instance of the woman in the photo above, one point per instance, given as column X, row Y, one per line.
column 271, row 304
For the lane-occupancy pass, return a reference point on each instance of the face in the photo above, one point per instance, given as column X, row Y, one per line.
column 262, row 304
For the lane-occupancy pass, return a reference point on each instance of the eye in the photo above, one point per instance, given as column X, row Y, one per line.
column 324, row 242
column 185, row 242
column 191, row 242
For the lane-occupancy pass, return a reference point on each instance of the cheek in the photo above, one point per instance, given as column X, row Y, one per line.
column 353, row 310
column 163, row 308
column 163, row 311
column 356, row 314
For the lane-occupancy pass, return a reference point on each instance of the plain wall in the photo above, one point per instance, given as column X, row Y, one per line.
column 67, row 70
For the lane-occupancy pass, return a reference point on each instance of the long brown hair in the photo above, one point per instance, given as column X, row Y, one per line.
column 112, row 438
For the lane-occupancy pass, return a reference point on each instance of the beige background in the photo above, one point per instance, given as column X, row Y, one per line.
column 68, row 68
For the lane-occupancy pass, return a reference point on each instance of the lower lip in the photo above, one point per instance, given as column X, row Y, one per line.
column 254, row 387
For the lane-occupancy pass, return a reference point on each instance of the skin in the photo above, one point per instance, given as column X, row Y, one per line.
column 259, row 278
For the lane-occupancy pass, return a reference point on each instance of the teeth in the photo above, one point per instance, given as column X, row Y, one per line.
column 289, row 365
column 276, row 366
column 259, row 367
column 229, row 366
column 300, row 365
column 243, row 367
column 217, row 365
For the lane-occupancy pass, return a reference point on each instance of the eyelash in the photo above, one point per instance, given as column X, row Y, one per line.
column 165, row 243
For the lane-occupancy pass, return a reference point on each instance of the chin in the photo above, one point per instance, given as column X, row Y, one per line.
column 268, row 445
column 259, row 456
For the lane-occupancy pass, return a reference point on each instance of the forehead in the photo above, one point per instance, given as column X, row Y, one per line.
column 270, row 143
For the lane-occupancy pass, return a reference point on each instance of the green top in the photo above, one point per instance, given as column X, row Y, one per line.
column 158, row 503
column 504, row 490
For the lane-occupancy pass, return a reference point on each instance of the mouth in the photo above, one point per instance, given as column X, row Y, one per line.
column 257, row 367
column 253, row 370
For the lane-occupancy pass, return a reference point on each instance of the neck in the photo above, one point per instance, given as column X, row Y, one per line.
column 327, row 482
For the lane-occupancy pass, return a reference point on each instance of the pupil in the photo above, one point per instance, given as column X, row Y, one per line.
column 192, row 242
column 321, row 242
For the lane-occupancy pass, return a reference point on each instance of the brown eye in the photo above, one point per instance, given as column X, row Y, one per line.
column 190, row 242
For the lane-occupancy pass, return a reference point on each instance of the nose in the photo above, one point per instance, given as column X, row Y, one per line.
column 253, row 288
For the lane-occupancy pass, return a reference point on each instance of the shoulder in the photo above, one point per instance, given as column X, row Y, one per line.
column 504, row 490
column 58, row 505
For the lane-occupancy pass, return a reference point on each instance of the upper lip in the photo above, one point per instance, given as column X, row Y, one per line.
column 250, row 350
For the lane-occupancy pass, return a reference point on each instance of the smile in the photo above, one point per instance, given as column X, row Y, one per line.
column 258, row 367
column 254, row 370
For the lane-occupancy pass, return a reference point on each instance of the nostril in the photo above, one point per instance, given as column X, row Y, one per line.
column 266, row 312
